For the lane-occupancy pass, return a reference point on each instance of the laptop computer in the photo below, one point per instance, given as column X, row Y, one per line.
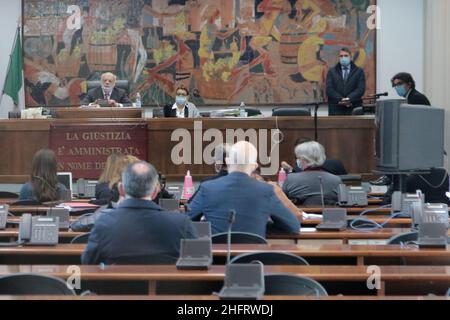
column 169, row 204
column 334, row 219
column 195, row 254
column 203, row 229
column 433, row 235
column 243, row 281
column 65, row 178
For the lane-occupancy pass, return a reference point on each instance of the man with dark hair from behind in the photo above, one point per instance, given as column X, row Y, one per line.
column 405, row 86
column 138, row 227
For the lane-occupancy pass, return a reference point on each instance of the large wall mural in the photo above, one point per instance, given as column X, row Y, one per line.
column 269, row 52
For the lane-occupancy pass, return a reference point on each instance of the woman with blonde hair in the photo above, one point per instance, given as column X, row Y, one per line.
column 106, row 189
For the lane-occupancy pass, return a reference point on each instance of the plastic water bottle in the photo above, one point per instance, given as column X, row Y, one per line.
column 138, row 100
column 281, row 177
column 188, row 187
column 242, row 112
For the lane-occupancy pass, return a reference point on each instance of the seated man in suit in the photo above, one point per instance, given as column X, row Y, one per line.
column 304, row 187
column 254, row 201
column 405, row 86
column 115, row 97
column 138, row 227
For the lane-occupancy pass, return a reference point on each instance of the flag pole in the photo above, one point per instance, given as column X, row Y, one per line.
column 9, row 64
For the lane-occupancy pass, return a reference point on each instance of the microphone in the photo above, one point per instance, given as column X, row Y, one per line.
column 379, row 95
column 231, row 218
column 322, row 198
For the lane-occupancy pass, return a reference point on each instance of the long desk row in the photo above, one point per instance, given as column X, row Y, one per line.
column 395, row 279
column 325, row 254
column 11, row 234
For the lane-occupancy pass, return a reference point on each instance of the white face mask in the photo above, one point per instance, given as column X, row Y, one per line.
column 107, row 90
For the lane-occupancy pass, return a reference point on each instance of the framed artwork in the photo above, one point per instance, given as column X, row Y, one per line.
column 263, row 52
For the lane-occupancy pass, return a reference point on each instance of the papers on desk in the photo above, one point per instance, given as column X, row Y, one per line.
column 307, row 230
column 79, row 207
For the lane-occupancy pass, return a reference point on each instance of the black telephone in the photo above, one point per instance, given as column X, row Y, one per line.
column 86, row 188
column 38, row 230
column 3, row 215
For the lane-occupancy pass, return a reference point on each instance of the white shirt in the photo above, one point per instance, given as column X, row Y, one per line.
column 180, row 114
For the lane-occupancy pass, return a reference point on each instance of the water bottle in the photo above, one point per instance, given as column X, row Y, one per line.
column 138, row 100
column 281, row 177
column 242, row 112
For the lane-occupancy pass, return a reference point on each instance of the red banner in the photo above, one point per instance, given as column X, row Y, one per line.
column 83, row 149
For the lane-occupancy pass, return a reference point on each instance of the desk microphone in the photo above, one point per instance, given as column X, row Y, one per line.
column 379, row 95
column 322, row 197
column 231, row 218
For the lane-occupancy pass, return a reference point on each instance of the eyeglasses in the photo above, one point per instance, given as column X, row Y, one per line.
column 400, row 83
column 182, row 94
column 344, row 56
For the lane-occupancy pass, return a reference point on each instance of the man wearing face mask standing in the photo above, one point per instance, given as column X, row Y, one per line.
column 108, row 92
column 405, row 86
column 346, row 84
column 182, row 108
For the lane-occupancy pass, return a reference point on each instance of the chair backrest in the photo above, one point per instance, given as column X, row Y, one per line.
column 358, row 111
column 270, row 258
column 122, row 84
column 33, row 284
column 238, row 237
column 291, row 112
column 292, row 285
column 153, row 259
column 82, row 238
column 8, row 195
column 404, row 238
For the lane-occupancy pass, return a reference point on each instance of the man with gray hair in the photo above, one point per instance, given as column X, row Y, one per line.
column 138, row 227
column 304, row 187
column 108, row 91
column 254, row 201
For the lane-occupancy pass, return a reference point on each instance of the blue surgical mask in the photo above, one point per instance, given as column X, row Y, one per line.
column 345, row 61
column 401, row 90
column 181, row 100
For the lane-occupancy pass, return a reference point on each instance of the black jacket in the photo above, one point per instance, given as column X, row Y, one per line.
column 354, row 89
column 118, row 95
column 417, row 98
column 137, row 228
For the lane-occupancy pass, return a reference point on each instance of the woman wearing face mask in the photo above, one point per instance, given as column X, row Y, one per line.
column 405, row 86
column 304, row 188
column 182, row 108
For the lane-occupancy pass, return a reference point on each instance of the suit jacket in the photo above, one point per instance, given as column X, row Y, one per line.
column 337, row 88
column 417, row 98
column 255, row 202
column 190, row 111
column 136, row 228
column 119, row 95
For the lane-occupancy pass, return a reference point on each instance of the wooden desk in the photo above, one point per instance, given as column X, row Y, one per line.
column 390, row 276
column 314, row 254
column 383, row 234
column 21, row 138
column 101, row 113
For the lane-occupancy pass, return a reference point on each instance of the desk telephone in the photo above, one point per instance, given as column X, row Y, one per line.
column 86, row 188
column 38, row 230
column 3, row 215
column 352, row 196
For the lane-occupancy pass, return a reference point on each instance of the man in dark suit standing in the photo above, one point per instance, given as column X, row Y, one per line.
column 405, row 86
column 254, row 201
column 346, row 84
column 108, row 91
column 138, row 227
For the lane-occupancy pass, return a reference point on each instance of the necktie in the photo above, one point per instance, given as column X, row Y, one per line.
column 345, row 73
